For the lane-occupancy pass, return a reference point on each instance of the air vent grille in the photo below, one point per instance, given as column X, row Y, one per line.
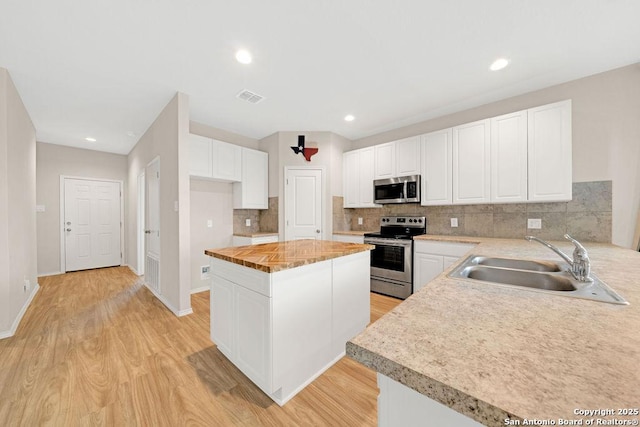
column 247, row 95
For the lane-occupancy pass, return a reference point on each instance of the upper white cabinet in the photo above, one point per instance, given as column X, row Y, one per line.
column 509, row 158
column 549, row 152
column 358, row 175
column 397, row 158
column 436, row 168
column 471, row 163
column 252, row 192
column 385, row 160
column 209, row 158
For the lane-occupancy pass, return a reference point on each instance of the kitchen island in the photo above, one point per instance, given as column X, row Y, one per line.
column 500, row 355
column 283, row 312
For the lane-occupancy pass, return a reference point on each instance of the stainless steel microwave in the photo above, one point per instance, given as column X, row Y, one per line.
column 404, row 189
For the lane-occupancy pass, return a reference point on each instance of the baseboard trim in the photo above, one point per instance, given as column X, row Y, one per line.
column 200, row 289
column 133, row 270
column 163, row 300
column 55, row 273
column 14, row 327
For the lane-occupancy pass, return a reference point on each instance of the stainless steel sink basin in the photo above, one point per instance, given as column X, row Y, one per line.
column 525, row 278
column 519, row 264
column 534, row 275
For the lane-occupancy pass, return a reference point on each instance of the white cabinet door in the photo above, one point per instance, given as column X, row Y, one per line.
column 471, row 163
column 509, row 158
column 436, row 168
column 226, row 161
column 385, row 160
column 222, row 315
column 253, row 191
column 408, row 156
column 425, row 268
column 253, row 335
column 448, row 261
column 351, row 178
column 549, row 150
column 199, row 156
column 366, row 177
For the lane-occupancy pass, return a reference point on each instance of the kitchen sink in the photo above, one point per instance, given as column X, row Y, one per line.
column 534, row 275
column 519, row 264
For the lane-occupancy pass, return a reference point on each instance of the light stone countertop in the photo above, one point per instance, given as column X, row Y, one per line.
column 493, row 352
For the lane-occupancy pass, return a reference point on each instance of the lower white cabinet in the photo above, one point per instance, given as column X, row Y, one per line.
column 256, row 240
column 399, row 405
column 430, row 258
column 348, row 238
column 283, row 329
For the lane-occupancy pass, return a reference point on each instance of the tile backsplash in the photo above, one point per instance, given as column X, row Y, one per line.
column 587, row 217
column 262, row 220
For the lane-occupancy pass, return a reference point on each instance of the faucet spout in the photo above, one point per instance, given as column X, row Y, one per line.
column 580, row 264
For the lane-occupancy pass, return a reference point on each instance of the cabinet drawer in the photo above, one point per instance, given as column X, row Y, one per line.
column 451, row 249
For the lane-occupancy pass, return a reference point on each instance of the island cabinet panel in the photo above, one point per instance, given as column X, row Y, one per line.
column 284, row 329
column 399, row 405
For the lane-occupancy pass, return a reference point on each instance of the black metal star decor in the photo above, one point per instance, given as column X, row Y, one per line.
column 306, row 152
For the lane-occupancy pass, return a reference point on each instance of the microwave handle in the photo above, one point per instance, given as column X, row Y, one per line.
column 404, row 194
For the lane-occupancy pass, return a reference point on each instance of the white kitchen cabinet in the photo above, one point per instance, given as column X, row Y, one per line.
column 399, row 405
column 549, row 152
column 471, row 163
column 385, row 161
column 348, row 238
column 509, row 158
column 253, row 240
column 407, row 156
column 215, row 160
column 253, row 190
column 436, row 149
column 283, row 329
column 358, row 173
column 430, row 258
column 397, row 158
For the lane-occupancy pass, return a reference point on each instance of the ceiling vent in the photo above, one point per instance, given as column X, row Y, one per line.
column 247, row 95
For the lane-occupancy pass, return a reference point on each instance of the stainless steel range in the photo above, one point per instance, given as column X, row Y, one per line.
column 392, row 258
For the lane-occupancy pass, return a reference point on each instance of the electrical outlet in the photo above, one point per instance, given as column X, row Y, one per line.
column 359, row 221
column 454, row 222
column 247, row 222
column 209, row 223
column 534, row 223
column 204, row 272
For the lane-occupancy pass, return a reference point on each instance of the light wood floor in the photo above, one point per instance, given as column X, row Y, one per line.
column 96, row 348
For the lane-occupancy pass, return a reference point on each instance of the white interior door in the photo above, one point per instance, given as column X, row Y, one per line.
column 92, row 224
column 303, row 204
column 152, row 225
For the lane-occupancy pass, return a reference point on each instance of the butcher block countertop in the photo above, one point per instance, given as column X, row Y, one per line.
column 272, row 257
column 499, row 354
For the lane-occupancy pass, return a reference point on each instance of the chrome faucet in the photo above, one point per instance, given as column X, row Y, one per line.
column 580, row 264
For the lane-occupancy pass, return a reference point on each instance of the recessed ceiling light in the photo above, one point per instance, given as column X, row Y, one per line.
column 90, row 139
column 499, row 64
column 349, row 118
column 243, row 56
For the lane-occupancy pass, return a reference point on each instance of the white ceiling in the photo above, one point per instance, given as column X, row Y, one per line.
column 105, row 68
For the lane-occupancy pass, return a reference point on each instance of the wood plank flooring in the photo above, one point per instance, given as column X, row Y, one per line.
column 96, row 348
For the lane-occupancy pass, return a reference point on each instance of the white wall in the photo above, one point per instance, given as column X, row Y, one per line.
column 222, row 135
column 18, row 258
column 606, row 134
column 52, row 161
column 167, row 139
column 209, row 201
column 330, row 147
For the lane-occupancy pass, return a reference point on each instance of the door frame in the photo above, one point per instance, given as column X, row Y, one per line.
column 142, row 220
column 63, row 251
column 323, row 197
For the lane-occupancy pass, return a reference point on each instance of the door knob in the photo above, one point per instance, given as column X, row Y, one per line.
column 147, row 231
column 318, row 231
column 68, row 229
column 68, row 222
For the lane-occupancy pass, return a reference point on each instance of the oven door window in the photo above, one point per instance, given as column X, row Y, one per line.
column 388, row 257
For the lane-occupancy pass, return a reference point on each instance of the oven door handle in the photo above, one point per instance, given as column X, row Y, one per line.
column 387, row 242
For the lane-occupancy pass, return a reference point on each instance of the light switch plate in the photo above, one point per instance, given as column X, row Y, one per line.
column 247, row 222
column 359, row 221
column 454, row 222
column 209, row 223
column 534, row 223
column 40, row 208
